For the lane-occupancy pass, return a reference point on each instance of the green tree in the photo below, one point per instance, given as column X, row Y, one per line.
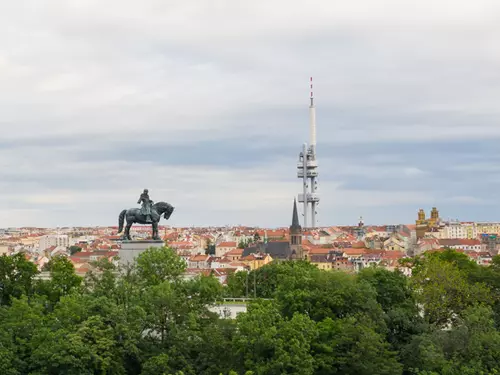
column 210, row 247
column 396, row 296
column 74, row 249
column 63, row 279
column 392, row 287
column 157, row 265
column 87, row 349
column 474, row 344
column 17, row 277
column 244, row 243
column 236, row 284
column 333, row 294
column 268, row 278
column 19, row 322
column 157, row 365
column 267, row 343
column 423, row 355
column 169, row 305
column 471, row 346
column 146, row 318
column 256, row 237
column 349, row 346
column 445, row 292
column 215, row 338
column 102, row 278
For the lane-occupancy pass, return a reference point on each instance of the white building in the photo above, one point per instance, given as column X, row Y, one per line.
column 458, row 230
column 53, row 240
column 462, row 244
column 80, row 239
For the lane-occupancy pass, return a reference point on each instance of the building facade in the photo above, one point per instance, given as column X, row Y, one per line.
column 53, row 240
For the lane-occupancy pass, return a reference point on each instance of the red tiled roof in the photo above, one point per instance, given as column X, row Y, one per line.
column 237, row 264
column 458, row 242
column 272, row 232
column 358, row 245
column 319, row 251
column 172, row 236
column 444, row 249
column 470, row 242
column 199, row 258
column 227, row 244
column 222, row 271
column 393, row 255
column 235, row 252
column 112, row 237
column 248, row 258
column 353, row 251
column 83, row 254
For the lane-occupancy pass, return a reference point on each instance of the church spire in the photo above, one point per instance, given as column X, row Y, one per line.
column 295, row 215
column 296, row 235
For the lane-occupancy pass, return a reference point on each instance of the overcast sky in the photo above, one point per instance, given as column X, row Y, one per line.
column 206, row 104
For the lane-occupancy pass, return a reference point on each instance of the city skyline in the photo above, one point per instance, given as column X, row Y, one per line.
column 207, row 108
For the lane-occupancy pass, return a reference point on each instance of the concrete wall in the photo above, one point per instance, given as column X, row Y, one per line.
column 131, row 249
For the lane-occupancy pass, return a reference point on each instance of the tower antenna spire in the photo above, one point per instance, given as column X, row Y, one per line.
column 312, row 120
column 312, row 92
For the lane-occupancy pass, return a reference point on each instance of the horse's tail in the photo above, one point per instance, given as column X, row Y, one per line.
column 121, row 219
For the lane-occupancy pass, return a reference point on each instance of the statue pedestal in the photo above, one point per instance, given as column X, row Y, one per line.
column 131, row 249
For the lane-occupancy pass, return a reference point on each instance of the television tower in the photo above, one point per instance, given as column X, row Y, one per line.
column 308, row 169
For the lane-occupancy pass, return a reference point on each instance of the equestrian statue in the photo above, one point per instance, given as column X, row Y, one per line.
column 149, row 213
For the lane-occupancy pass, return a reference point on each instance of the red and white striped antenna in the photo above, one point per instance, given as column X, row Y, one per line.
column 312, row 117
column 311, row 85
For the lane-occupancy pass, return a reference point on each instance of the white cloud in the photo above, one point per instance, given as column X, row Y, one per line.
column 156, row 71
column 374, row 198
column 413, row 172
column 465, row 199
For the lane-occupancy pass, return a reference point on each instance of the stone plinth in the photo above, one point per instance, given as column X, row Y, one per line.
column 131, row 249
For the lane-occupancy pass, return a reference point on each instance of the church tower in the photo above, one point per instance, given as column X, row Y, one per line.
column 296, row 235
column 434, row 220
column 421, row 224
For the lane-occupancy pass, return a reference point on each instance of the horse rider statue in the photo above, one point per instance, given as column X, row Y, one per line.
column 146, row 205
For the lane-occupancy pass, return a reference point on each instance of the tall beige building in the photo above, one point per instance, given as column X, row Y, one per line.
column 50, row 240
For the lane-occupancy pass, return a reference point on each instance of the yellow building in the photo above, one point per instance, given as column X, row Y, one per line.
column 256, row 260
column 471, row 231
column 490, row 228
column 29, row 241
column 330, row 259
column 425, row 225
column 395, row 243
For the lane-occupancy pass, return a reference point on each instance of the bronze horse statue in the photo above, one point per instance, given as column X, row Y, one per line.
column 134, row 215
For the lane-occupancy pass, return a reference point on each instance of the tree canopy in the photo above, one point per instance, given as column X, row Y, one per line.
column 149, row 319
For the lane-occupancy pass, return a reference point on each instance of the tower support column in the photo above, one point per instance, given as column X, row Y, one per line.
column 304, row 185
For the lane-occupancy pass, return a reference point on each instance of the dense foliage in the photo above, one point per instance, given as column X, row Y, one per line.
column 148, row 320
